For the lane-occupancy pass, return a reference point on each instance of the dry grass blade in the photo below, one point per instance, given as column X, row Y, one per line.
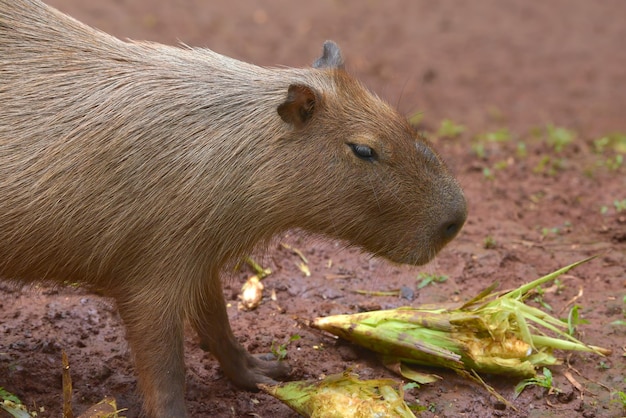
column 67, row 387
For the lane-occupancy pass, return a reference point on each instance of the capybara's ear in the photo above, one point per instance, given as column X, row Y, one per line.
column 299, row 106
column 331, row 57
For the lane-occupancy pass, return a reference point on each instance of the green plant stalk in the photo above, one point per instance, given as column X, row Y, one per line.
column 406, row 335
column 492, row 333
column 524, row 289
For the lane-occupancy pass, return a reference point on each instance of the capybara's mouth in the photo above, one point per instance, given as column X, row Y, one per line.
column 415, row 259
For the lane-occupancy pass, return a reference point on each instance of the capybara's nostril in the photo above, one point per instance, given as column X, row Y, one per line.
column 451, row 229
column 454, row 221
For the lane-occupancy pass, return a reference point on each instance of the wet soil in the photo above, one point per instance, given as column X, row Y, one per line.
column 486, row 64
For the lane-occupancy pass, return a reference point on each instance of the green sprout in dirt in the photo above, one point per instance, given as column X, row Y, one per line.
column 538, row 298
column 479, row 147
column 427, row 279
column 614, row 163
column 544, row 381
column 573, row 320
column 615, row 146
column 558, row 138
column 414, row 406
column 556, row 230
column 618, row 205
column 280, row 350
column 501, row 165
column 549, row 165
column 600, row 144
column 615, row 142
column 550, row 231
column 501, row 135
column 489, row 242
column 619, row 397
column 479, row 150
column 450, row 129
column 488, row 174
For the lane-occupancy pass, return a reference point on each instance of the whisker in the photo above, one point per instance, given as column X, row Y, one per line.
column 375, row 194
column 406, row 81
column 393, row 193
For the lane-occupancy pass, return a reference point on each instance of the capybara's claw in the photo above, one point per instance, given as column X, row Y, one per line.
column 259, row 370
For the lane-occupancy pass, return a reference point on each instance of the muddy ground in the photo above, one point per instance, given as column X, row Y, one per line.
column 488, row 65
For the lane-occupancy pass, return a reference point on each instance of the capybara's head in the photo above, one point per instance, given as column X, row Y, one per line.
column 363, row 174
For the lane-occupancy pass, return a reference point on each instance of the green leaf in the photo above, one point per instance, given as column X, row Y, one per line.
column 450, row 129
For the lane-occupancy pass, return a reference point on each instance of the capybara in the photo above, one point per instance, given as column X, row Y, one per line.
column 142, row 170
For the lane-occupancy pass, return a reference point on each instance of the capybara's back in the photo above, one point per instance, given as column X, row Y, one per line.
column 141, row 169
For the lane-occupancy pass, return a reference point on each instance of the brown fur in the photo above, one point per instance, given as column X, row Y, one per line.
column 141, row 169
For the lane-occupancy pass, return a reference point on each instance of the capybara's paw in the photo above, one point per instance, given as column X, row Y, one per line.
column 271, row 367
column 261, row 368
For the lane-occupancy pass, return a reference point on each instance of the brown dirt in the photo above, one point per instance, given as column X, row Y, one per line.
column 486, row 64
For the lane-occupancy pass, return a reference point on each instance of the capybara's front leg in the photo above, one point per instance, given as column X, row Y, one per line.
column 210, row 319
column 154, row 327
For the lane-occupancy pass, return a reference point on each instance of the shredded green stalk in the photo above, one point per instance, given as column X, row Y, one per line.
column 343, row 395
column 493, row 333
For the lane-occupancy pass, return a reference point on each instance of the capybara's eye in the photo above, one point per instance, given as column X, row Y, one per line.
column 363, row 152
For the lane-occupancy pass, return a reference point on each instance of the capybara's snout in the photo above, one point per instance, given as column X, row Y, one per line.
column 452, row 219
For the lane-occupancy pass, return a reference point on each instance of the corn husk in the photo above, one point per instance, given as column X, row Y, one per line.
column 106, row 408
column 15, row 409
column 343, row 395
column 252, row 290
column 251, row 293
column 495, row 333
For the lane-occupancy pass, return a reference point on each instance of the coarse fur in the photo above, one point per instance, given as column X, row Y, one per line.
column 142, row 169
